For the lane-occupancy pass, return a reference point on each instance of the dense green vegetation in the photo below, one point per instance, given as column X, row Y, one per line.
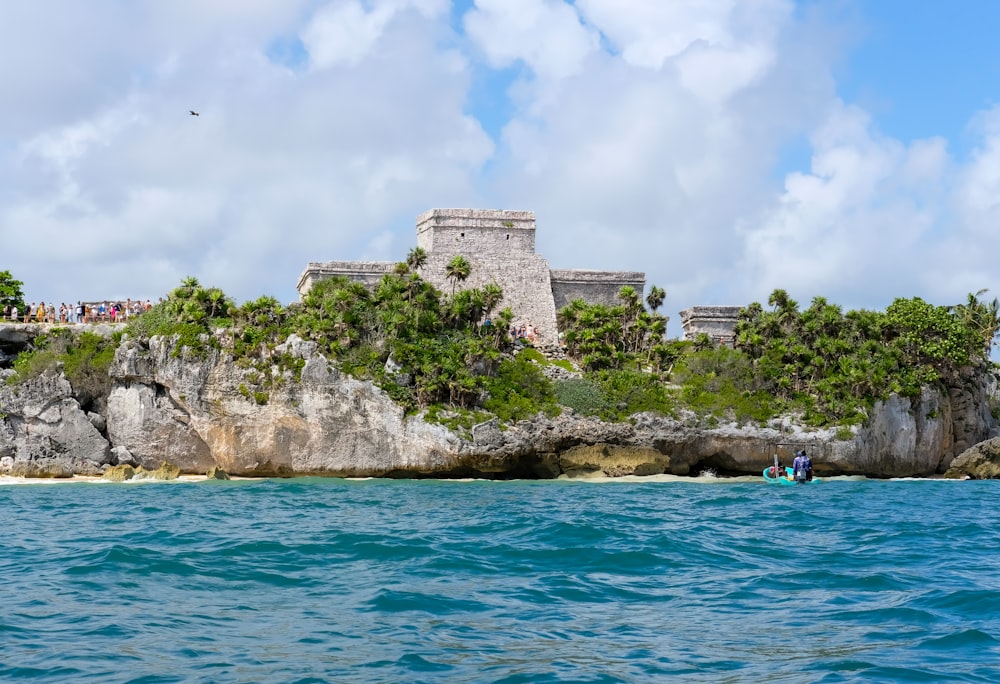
column 451, row 353
column 11, row 292
column 835, row 365
column 614, row 337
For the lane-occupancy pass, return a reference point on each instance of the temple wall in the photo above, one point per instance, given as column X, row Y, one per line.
column 718, row 322
column 594, row 287
column 524, row 278
column 367, row 272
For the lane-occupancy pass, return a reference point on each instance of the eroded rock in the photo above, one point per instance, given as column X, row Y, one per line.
column 165, row 471
column 613, row 461
column 119, row 473
column 215, row 473
column 979, row 462
column 47, row 468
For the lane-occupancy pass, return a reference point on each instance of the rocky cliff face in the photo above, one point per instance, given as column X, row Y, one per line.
column 43, row 422
column 196, row 412
column 193, row 413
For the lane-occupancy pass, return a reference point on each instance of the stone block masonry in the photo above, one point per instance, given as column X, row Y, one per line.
column 500, row 246
column 718, row 322
column 367, row 272
column 480, row 233
column 596, row 287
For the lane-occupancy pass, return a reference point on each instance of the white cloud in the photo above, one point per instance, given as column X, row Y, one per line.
column 648, row 32
column 630, row 166
column 546, row 34
column 860, row 221
column 978, row 193
column 344, row 31
column 125, row 194
column 715, row 74
column 718, row 47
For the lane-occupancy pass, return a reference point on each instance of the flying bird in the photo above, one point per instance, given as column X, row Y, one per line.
column 194, row 113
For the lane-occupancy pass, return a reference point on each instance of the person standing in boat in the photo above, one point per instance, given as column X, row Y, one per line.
column 802, row 467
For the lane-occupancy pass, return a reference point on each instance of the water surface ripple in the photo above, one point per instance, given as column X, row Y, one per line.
column 428, row 581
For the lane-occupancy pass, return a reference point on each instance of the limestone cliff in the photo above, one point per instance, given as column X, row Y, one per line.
column 192, row 412
column 43, row 422
column 196, row 412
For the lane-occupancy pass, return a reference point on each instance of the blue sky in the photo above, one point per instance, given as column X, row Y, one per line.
column 841, row 148
column 922, row 67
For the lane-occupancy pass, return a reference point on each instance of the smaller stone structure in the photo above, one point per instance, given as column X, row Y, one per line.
column 367, row 272
column 592, row 286
column 718, row 322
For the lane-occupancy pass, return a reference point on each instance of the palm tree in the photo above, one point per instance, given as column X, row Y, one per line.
column 990, row 324
column 218, row 303
column 493, row 295
column 980, row 318
column 503, row 322
column 702, row 342
column 655, row 297
column 458, row 269
column 416, row 258
column 786, row 310
column 568, row 316
column 630, row 298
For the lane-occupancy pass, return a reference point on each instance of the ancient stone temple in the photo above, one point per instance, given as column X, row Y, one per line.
column 500, row 246
column 718, row 322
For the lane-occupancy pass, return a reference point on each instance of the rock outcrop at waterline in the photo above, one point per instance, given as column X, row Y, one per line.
column 980, row 462
column 200, row 412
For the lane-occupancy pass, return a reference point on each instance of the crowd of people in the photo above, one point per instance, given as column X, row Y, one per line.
column 83, row 312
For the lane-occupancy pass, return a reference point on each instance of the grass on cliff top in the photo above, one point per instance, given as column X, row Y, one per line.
column 85, row 356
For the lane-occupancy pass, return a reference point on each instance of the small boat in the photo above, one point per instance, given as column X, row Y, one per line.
column 782, row 474
column 785, row 476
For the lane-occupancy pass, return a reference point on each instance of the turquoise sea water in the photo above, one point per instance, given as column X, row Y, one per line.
column 436, row 581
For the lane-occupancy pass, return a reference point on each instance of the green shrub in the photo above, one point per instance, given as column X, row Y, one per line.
column 629, row 392
column 582, row 395
column 31, row 364
column 844, row 433
column 519, row 390
column 458, row 420
column 564, row 364
column 532, row 354
column 85, row 357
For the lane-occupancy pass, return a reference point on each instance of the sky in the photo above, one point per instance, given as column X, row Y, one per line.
column 838, row 148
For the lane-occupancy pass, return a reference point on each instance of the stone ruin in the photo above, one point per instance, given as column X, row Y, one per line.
column 500, row 246
column 718, row 322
